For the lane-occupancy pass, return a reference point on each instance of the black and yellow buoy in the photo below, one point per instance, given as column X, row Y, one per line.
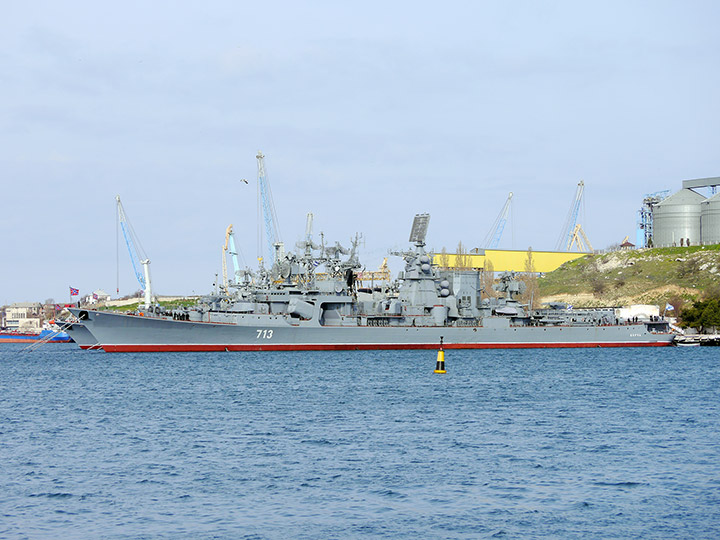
column 440, row 365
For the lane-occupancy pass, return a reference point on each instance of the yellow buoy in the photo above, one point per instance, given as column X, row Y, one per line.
column 440, row 365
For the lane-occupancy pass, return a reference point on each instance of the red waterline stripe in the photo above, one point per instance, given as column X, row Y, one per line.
column 29, row 340
column 367, row 346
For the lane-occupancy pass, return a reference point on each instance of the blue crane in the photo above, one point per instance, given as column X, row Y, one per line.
column 132, row 242
column 495, row 234
column 265, row 201
column 568, row 231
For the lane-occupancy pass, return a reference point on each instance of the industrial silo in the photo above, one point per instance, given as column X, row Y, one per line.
column 710, row 220
column 676, row 220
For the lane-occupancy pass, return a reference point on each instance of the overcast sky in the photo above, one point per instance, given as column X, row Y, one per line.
column 367, row 115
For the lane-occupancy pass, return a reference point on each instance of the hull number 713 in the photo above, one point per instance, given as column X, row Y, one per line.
column 264, row 334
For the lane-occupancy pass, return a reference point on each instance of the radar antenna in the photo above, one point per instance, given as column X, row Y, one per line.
column 419, row 229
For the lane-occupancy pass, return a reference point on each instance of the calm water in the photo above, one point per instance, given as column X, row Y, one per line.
column 593, row 443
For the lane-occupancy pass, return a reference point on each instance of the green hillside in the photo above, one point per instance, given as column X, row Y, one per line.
column 645, row 276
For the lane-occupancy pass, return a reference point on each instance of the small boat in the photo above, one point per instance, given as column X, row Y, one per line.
column 49, row 336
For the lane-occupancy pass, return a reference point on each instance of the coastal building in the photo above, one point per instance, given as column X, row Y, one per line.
column 97, row 297
column 24, row 316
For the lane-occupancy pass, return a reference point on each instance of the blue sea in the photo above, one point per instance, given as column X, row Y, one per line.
column 596, row 443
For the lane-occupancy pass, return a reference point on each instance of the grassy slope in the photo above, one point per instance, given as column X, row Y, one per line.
column 170, row 304
column 646, row 276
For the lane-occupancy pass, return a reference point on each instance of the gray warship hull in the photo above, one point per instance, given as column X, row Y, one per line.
column 133, row 333
column 80, row 335
column 292, row 307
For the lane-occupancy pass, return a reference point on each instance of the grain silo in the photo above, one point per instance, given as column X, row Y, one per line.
column 710, row 220
column 676, row 220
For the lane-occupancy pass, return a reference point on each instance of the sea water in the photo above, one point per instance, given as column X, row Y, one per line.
column 584, row 443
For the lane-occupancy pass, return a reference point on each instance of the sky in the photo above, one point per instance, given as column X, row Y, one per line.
column 367, row 114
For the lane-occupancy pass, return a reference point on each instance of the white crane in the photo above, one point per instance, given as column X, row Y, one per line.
column 229, row 248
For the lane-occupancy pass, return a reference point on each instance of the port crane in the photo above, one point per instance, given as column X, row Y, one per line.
column 572, row 233
column 138, row 257
column 230, row 249
column 495, row 234
column 267, row 207
column 580, row 239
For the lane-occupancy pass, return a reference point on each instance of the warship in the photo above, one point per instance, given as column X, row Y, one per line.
column 293, row 307
column 79, row 333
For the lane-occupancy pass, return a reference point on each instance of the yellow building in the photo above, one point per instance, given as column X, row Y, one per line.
column 506, row 260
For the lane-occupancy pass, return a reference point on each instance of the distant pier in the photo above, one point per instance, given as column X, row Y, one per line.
column 707, row 340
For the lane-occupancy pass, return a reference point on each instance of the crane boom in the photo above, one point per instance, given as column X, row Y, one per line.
column 580, row 239
column 568, row 230
column 225, row 284
column 265, row 201
column 128, row 235
column 138, row 258
column 233, row 252
column 229, row 248
column 495, row 234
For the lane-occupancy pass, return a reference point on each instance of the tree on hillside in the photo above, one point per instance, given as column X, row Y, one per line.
column 703, row 315
column 710, row 316
column 487, row 278
column 530, row 296
column 462, row 259
column 444, row 261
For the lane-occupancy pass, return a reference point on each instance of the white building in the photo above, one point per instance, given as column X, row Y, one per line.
column 24, row 316
column 97, row 297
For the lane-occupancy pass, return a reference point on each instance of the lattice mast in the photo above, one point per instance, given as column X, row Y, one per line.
column 645, row 224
